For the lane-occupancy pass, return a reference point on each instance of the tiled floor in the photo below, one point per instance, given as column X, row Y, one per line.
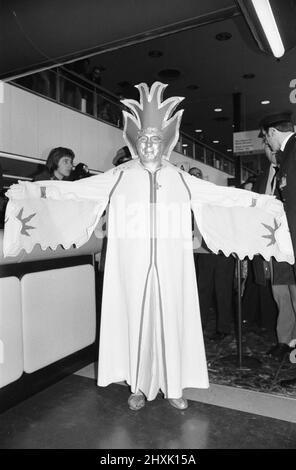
column 76, row 414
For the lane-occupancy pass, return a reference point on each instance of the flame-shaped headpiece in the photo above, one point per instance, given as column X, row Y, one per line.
column 152, row 113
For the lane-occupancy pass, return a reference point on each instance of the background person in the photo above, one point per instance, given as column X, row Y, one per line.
column 122, row 155
column 194, row 171
column 59, row 165
column 277, row 133
column 80, row 171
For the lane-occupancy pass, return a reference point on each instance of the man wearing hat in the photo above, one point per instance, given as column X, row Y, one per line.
column 277, row 133
column 194, row 171
column 123, row 155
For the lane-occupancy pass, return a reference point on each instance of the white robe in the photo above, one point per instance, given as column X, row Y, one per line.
column 151, row 335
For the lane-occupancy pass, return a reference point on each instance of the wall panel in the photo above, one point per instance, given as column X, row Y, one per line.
column 33, row 125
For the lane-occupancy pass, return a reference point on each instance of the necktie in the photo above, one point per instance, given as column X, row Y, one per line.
column 279, row 155
column 273, row 181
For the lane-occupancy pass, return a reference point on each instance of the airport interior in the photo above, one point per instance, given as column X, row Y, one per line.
column 66, row 68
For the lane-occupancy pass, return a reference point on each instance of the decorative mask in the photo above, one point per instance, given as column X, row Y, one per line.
column 152, row 113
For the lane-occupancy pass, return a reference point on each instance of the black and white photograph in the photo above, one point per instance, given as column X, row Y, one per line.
column 147, row 230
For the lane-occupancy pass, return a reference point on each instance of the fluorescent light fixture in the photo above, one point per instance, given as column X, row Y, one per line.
column 198, row 130
column 218, row 110
column 269, row 26
column 229, row 150
column 265, row 102
column 216, row 141
column 184, row 145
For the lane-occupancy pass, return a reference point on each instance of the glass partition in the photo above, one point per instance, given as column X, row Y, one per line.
column 77, row 92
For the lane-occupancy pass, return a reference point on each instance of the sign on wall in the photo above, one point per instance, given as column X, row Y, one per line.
column 247, row 143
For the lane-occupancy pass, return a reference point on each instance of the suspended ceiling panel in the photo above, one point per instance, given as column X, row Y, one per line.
column 41, row 33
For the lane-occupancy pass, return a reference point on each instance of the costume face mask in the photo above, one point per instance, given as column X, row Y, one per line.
column 151, row 115
column 149, row 146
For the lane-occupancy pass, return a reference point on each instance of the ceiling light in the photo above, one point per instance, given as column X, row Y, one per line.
column 169, row 74
column 218, row 110
column 259, row 16
column 198, row 130
column 221, row 118
column 184, row 145
column 155, row 54
column 265, row 102
column 216, row 141
column 229, row 150
column 124, row 84
column 268, row 23
column 249, row 76
column 223, row 36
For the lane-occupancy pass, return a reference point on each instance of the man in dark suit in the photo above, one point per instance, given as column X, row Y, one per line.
column 278, row 135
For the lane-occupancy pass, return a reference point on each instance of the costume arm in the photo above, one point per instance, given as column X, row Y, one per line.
column 239, row 221
column 52, row 213
column 204, row 192
column 94, row 188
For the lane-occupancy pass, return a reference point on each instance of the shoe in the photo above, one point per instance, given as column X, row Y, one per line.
column 180, row 403
column 136, row 401
column 279, row 351
column 219, row 336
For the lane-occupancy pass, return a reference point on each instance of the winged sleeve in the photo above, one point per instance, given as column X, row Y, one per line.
column 52, row 213
column 239, row 221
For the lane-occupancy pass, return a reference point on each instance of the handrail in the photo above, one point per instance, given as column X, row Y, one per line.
column 98, row 92
column 37, row 161
column 92, row 84
column 15, row 177
column 207, row 146
column 117, row 102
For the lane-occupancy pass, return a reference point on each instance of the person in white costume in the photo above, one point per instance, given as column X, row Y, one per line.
column 151, row 335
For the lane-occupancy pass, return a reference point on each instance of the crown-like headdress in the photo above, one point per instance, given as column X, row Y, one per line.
column 152, row 112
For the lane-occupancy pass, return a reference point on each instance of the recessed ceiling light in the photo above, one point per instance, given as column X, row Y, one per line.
column 192, row 87
column 169, row 74
column 198, row 130
column 229, row 150
column 221, row 118
column 124, row 84
column 224, row 36
column 216, row 141
column 155, row 54
column 265, row 102
column 184, row 145
column 218, row 110
column 249, row 76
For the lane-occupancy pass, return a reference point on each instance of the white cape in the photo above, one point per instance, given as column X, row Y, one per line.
column 151, row 333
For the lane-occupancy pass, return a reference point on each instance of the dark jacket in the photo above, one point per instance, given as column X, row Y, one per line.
column 45, row 175
column 286, row 184
column 283, row 273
